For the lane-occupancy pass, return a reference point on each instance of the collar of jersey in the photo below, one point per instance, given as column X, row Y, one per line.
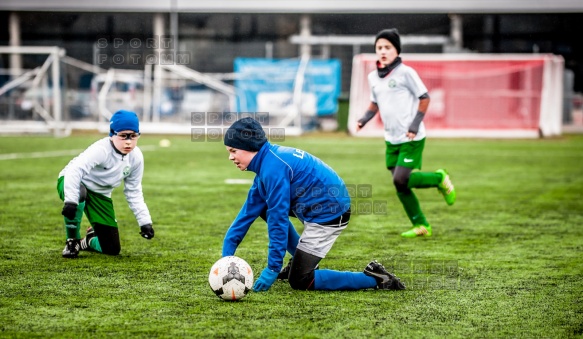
column 116, row 150
column 384, row 71
column 255, row 164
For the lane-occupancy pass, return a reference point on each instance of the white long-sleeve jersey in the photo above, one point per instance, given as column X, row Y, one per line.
column 101, row 169
column 397, row 96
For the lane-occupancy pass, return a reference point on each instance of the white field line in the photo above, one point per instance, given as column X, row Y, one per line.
column 53, row 154
column 238, row 181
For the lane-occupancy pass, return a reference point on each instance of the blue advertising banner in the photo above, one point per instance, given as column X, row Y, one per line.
column 267, row 85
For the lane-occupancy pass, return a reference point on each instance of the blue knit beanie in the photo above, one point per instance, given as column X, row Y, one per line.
column 246, row 134
column 122, row 121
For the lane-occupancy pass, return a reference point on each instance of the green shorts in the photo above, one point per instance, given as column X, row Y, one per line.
column 98, row 207
column 407, row 154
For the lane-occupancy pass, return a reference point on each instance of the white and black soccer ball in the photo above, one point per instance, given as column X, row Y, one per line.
column 231, row 278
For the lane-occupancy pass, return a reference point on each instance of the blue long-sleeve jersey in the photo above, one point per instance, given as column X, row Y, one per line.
column 287, row 179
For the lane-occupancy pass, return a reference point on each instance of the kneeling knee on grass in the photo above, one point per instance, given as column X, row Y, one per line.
column 108, row 237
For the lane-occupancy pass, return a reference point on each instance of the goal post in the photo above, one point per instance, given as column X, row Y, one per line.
column 44, row 99
column 475, row 95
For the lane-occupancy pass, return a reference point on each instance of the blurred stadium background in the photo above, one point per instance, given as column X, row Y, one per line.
column 494, row 68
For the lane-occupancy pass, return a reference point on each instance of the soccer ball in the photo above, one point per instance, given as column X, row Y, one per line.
column 231, row 278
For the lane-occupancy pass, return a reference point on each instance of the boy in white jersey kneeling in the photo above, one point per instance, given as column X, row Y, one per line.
column 86, row 184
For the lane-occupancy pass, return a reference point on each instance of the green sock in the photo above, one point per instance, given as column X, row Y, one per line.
column 73, row 226
column 412, row 208
column 424, row 180
column 94, row 244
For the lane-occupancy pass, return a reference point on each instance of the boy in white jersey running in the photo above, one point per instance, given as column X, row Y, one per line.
column 86, row 183
column 400, row 96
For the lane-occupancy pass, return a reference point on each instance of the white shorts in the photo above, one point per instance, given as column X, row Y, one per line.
column 318, row 239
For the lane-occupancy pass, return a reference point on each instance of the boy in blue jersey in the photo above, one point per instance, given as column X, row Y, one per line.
column 291, row 182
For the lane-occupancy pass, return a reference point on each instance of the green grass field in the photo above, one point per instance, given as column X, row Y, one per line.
column 505, row 261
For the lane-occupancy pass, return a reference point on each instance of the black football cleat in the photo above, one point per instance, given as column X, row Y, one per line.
column 385, row 280
column 284, row 273
column 72, row 247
